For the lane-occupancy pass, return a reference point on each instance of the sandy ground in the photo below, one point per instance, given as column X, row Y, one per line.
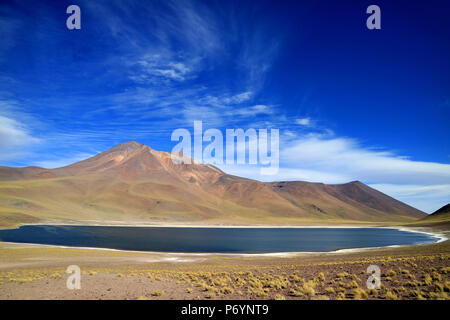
column 407, row 272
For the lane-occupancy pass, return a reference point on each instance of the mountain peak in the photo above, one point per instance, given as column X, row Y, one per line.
column 356, row 182
column 130, row 145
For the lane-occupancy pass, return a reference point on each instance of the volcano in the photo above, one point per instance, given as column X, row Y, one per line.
column 133, row 183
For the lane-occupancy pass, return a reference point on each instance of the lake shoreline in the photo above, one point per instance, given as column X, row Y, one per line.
column 178, row 225
column 440, row 236
column 105, row 274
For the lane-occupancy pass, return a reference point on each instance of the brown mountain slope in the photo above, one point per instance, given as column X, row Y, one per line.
column 8, row 173
column 352, row 200
column 134, row 183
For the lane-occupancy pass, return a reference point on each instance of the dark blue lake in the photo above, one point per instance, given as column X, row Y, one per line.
column 225, row 240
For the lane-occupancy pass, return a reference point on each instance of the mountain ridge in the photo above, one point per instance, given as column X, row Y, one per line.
column 133, row 182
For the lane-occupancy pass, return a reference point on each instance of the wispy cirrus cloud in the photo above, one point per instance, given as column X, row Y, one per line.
column 14, row 133
column 152, row 69
column 165, row 59
column 180, row 38
column 253, row 110
column 304, row 122
column 57, row 162
column 17, row 136
column 146, row 80
column 15, row 139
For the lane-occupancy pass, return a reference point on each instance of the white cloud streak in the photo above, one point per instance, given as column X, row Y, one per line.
column 345, row 156
column 303, row 121
column 61, row 162
column 321, row 158
column 14, row 133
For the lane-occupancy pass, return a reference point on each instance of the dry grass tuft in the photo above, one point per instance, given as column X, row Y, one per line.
column 158, row 293
column 279, row 297
column 360, row 294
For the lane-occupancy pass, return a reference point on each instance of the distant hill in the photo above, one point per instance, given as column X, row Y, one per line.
column 133, row 183
column 440, row 217
column 444, row 211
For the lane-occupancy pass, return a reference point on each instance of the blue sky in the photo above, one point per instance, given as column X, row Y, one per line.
column 350, row 103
